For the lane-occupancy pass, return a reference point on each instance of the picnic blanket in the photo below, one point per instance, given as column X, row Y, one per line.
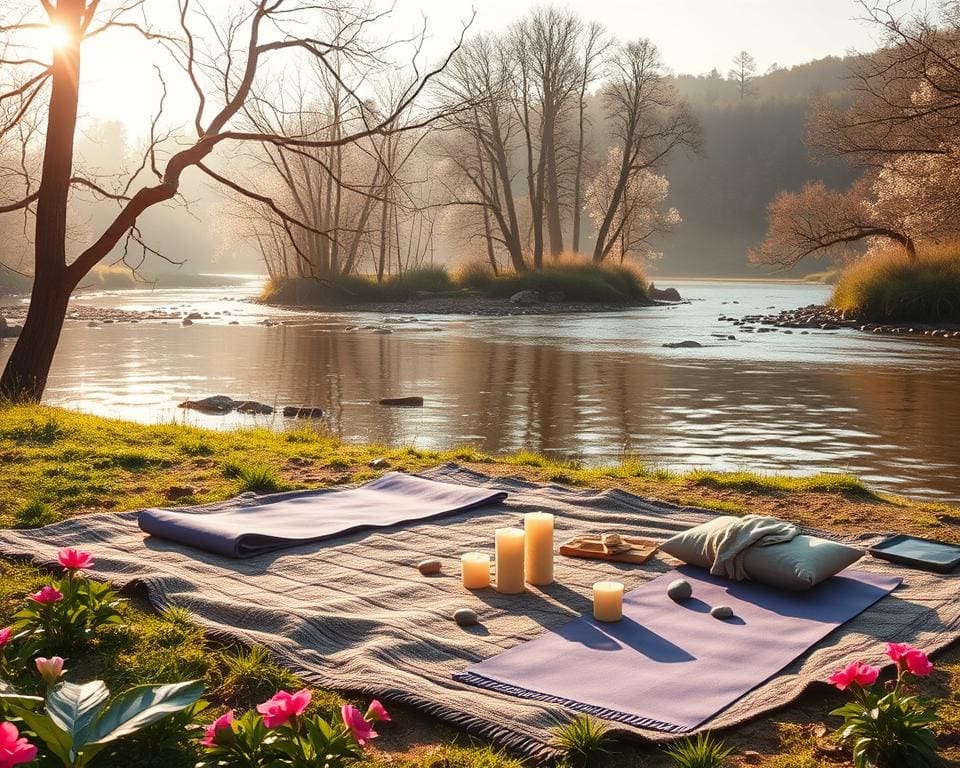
column 649, row 669
column 249, row 525
column 354, row 614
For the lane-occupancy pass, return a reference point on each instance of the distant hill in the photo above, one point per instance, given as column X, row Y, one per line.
column 752, row 148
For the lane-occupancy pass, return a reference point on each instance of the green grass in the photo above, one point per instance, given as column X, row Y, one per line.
column 566, row 280
column 584, row 742
column 702, row 751
column 756, row 482
column 258, row 478
column 888, row 287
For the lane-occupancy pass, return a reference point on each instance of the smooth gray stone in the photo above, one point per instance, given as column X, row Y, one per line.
column 466, row 617
column 679, row 590
column 721, row 612
column 429, row 567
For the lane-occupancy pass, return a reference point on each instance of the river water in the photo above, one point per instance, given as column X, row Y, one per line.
column 594, row 387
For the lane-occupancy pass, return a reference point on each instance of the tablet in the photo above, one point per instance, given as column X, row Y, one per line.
column 918, row 553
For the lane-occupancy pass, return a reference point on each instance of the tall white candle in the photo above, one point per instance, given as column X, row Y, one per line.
column 538, row 547
column 509, row 546
column 608, row 601
column 475, row 570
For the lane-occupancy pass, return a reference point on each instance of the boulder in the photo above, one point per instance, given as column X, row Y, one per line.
column 194, row 316
column 252, row 406
column 525, row 298
column 215, row 404
column 186, row 321
column 683, row 344
column 302, row 412
column 664, row 294
column 403, row 402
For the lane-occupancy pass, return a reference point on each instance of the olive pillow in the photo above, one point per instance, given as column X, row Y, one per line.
column 798, row 564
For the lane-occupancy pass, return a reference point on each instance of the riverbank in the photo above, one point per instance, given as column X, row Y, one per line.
column 823, row 317
column 56, row 464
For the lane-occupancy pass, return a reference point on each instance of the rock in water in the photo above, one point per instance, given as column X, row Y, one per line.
column 252, row 406
column 186, row 321
column 302, row 412
column 664, row 294
column 402, row 401
column 466, row 617
column 688, row 344
column 721, row 612
column 215, row 404
column 429, row 567
column 680, row 590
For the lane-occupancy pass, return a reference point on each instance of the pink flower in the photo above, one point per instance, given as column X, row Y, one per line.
column 224, row 722
column 13, row 749
column 74, row 559
column 917, row 662
column 47, row 595
column 897, row 651
column 376, row 712
column 362, row 730
column 283, row 706
column 856, row 673
column 49, row 669
column 5, row 634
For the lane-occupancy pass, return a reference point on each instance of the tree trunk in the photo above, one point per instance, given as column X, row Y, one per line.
column 28, row 367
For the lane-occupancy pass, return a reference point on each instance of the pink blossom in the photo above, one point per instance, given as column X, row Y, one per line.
column 897, row 651
column 362, row 730
column 283, row 706
column 5, row 634
column 855, row 673
column 47, row 595
column 224, row 722
column 74, row 559
column 14, row 750
column 376, row 712
column 49, row 669
column 917, row 662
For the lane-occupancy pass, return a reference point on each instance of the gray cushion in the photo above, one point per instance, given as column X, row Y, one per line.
column 795, row 565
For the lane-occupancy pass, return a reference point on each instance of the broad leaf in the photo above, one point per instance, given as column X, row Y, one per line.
column 56, row 739
column 74, row 707
column 140, row 707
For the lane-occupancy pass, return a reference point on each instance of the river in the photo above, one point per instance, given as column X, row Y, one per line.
column 593, row 387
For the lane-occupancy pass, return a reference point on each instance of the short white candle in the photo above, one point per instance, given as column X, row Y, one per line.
column 538, row 547
column 475, row 570
column 509, row 546
column 608, row 601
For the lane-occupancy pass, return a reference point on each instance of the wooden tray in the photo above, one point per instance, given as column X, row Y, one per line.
column 591, row 547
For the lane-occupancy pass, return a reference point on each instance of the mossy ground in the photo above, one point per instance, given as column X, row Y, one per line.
column 56, row 463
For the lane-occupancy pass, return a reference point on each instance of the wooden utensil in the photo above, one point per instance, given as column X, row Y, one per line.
column 630, row 549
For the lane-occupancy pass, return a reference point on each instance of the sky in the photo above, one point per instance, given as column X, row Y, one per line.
column 694, row 36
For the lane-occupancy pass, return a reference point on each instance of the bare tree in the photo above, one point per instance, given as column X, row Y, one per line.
column 818, row 220
column 649, row 121
column 222, row 87
column 595, row 48
column 742, row 73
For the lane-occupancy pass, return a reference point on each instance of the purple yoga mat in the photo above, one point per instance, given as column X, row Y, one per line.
column 669, row 666
column 249, row 525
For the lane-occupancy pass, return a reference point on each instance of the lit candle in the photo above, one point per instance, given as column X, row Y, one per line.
column 475, row 569
column 509, row 546
column 608, row 601
column 538, row 547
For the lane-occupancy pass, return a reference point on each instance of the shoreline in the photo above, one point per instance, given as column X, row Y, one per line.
column 825, row 318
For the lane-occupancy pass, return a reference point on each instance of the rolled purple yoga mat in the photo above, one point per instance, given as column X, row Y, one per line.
column 672, row 666
column 250, row 526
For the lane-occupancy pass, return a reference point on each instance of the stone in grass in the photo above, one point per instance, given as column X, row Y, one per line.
column 429, row 567
column 722, row 612
column 466, row 617
column 679, row 590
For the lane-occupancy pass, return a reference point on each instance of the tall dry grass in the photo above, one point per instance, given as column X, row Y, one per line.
column 888, row 287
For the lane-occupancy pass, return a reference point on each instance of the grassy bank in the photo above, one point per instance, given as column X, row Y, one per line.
column 889, row 287
column 55, row 464
column 567, row 281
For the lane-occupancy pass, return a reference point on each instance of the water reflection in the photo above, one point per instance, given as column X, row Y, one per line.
column 596, row 388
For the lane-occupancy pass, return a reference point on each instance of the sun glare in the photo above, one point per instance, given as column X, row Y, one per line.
column 57, row 36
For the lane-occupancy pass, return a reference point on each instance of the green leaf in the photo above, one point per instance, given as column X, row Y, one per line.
column 56, row 739
column 140, row 707
column 74, row 707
